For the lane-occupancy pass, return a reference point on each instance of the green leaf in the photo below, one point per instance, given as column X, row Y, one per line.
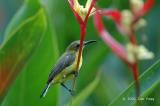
column 83, row 95
column 19, row 47
column 28, row 9
column 91, row 63
column 148, row 80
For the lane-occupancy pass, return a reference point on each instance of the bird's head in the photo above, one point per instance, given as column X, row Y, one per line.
column 75, row 45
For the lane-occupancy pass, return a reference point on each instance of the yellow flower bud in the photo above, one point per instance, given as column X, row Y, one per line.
column 140, row 24
column 126, row 19
column 138, row 53
column 81, row 10
column 136, row 5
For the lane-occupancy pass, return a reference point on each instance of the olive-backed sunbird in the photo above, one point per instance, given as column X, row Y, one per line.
column 65, row 69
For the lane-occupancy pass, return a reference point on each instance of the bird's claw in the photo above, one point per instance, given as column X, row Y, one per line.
column 75, row 73
column 73, row 93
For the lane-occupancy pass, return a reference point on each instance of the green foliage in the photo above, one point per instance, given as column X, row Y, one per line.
column 28, row 9
column 35, row 73
column 15, row 51
column 91, row 69
column 148, row 81
column 83, row 95
column 41, row 30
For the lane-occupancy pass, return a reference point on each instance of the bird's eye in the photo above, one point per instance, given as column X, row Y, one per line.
column 77, row 45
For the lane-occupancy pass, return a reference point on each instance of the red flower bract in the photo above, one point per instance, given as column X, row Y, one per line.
column 116, row 47
column 82, row 24
column 116, row 16
column 113, row 13
column 112, row 43
column 145, row 8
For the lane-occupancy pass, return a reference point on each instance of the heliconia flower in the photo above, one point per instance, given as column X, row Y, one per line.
column 81, row 10
column 147, row 6
column 117, row 17
column 127, row 22
column 112, row 13
column 140, row 24
column 135, row 52
column 139, row 7
column 125, row 18
column 136, row 5
column 116, row 47
column 82, row 14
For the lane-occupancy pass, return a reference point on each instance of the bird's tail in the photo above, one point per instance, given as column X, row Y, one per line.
column 45, row 90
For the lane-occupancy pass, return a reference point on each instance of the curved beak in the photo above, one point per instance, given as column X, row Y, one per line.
column 89, row 42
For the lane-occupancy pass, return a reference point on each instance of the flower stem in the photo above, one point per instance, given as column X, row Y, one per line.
column 83, row 33
column 134, row 68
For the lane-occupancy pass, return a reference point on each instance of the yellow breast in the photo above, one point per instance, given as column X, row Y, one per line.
column 74, row 66
column 80, row 63
column 60, row 78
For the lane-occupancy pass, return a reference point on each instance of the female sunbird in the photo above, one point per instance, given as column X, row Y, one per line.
column 65, row 69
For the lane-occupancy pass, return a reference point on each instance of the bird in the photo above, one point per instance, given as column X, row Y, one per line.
column 66, row 67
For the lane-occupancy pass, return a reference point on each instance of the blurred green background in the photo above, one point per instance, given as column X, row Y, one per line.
column 62, row 29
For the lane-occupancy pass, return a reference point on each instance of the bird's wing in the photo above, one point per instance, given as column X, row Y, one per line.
column 65, row 61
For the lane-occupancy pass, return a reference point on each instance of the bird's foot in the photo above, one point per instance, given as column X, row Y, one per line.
column 75, row 73
column 72, row 92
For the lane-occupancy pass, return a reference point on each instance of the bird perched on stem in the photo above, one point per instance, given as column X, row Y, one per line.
column 65, row 69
